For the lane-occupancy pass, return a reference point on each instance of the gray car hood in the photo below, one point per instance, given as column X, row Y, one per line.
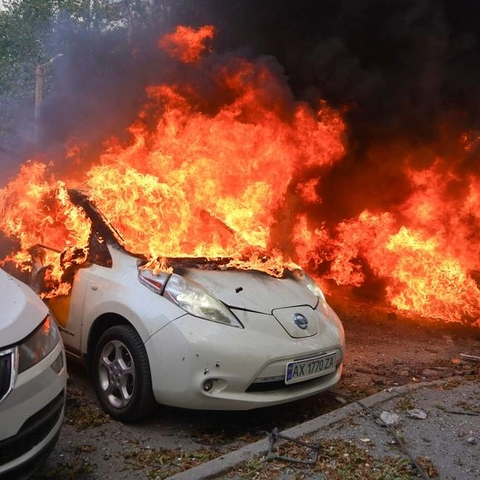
column 252, row 290
column 21, row 310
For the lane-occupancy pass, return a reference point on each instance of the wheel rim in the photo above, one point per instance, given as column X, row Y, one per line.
column 116, row 373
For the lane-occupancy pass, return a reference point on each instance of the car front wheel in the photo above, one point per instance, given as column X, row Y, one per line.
column 122, row 374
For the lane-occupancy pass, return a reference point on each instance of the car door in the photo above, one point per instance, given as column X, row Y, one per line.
column 67, row 307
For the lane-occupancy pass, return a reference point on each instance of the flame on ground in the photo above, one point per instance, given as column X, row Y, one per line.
column 202, row 178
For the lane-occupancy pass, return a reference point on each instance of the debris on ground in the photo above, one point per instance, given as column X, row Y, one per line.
column 473, row 358
column 389, row 418
column 303, row 452
column 417, row 413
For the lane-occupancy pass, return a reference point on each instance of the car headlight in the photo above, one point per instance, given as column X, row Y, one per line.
column 153, row 281
column 322, row 304
column 38, row 344
column 196, row 300
column 308, row 281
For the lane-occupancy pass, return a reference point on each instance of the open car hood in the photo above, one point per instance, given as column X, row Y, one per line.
column 252, row 290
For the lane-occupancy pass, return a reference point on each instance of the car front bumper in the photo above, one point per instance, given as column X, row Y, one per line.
column 31, row 415
column 189, row 352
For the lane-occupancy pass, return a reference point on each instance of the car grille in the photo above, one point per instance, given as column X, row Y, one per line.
column 281, row 385
column 33, row 431
column 6, row 372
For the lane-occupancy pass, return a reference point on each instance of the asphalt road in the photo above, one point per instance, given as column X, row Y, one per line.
column 429, row 430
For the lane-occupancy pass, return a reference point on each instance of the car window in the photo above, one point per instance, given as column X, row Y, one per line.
column 98, row 252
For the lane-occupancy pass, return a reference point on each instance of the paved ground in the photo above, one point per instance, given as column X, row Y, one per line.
column 384, row 350
column 436, row 424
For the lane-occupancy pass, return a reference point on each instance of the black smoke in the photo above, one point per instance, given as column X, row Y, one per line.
column 405, row 73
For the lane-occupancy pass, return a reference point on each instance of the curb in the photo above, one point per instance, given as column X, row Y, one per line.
column 223, row 464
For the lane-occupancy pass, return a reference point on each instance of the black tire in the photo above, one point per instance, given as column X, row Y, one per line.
column 121, row 375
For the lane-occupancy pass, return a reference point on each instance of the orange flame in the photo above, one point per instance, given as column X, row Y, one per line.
column 190, row 182
column 241, row 177
column 447, row 293
column 425, row 255
column 186, row 44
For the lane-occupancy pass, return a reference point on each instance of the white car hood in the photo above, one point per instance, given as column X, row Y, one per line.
column 252, row 290
column 21, row 310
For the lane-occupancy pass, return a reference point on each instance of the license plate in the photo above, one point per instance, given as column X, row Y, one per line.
column 302, row 370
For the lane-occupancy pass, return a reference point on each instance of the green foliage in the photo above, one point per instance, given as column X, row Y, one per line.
column 34, row 31
column 25, row 27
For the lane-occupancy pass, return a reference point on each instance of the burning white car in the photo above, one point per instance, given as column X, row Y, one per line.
column 197, row 335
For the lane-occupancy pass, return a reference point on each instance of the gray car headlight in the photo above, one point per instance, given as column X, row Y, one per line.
column 196, row 300
column 309, row 282
column 38, row 344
